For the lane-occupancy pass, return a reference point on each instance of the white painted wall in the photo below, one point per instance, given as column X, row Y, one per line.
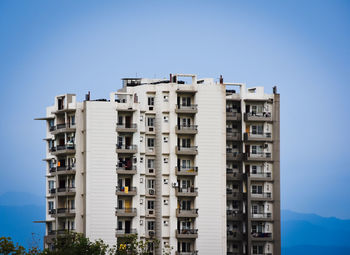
column 100, row 171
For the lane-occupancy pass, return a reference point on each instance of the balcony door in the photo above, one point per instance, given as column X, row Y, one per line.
column 127, row 227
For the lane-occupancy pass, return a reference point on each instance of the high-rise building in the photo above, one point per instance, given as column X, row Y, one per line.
column 192, row 164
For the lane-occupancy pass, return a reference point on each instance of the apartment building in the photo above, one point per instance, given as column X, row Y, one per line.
column 190, row 162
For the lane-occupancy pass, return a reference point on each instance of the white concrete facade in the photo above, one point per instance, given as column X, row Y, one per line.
column 156, row 158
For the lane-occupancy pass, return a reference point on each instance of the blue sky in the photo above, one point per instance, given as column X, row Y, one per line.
column 53, row 47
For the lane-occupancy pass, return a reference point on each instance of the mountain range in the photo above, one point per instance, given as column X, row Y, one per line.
column 301, row 233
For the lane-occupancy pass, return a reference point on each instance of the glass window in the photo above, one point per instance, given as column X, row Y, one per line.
column 150, row 100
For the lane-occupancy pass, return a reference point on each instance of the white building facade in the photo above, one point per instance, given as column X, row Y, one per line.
column 194, row 165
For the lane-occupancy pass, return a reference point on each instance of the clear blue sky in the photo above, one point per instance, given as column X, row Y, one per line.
column 303, row 47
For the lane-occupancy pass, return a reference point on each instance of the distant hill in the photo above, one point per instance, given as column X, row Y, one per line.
column 312, row 234
column 17, row 223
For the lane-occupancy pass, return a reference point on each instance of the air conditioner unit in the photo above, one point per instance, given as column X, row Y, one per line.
column 150, row 129
column 151, row 191
column 150, row 212
column 150, row 170
column 150, row 108
column 175, row 185
column 266, row 145
column 151, row 233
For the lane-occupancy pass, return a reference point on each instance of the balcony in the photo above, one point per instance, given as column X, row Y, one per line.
column 233, row 194
column 262, row 236
column 125, row 212
column 126, row 128
column 259, row 156
column 265, row 196
column 126, row 169
column 252, row 116
column 186, row 129
column 126, row 149
column 234, row 235
column 63, row 170
column 69, row 148
column 62, row 212
column 261, row 216
column 186, row 233
column 61, row 128
column 182, row 213
column 126, row 191
column 232, row 115
column 186, row 253
column 125, row 232
column 186, row 89
column 234, row 215
column 186, row 192
column 233, row 175
column 233, row 155
column 189, row 171
column 191, row 150
column 232, row 135
column 192, row 109
column 253, row 137
column 66, row 191
column 260, row 176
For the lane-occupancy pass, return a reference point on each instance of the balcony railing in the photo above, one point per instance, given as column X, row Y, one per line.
column 232, row 135
column 122, row 148
column 125, row 190
column 129, row 212
column 261, row 235
column 186, row 129
column 263, row 195
column 232, row 114
column 126, row 127
column 186, row 253
column 60, row 149
column 261, row 215
column 254, row 116
column 191, row 170
column 65, row 189
column 258, row 136
column 191, row 150
column 186, row 213
column 189, row 191
column 187, row 233
column 123, row 232
column 60, row 127
column 183, row 108
column 261, row 175
column 233, row 234
column 62, row 211
column 258, row 156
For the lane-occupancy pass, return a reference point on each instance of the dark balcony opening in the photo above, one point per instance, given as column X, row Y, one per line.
column 60, row 103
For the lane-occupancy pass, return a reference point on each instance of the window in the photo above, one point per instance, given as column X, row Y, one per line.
column 186, row 101
column 150, row 100
column 255, row 209
column 257, row 189
column 165, row 181
column 150, row 122
column 185, row 163
column 72, row 204
column 51, row 184
column 186, row 204
column 166, row 118
column 50, row 205
column 150, row 204
column 72, row 120
column 150, row 163
column 150, row 142
column 186, row 122
column 165, row 139
column 258, row 249
column 165, row 98
column 186, row 247
column 258, row 130
column 166, row 223
column 254, row 170
column 51, row 123
column 150, row 225
column 151, row 183
column 165, row 160
column 186, row 142
column 166, row 201
column 120, row 225
column 141, row 159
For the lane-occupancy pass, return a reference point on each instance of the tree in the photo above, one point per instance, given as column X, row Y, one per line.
column 7, row 247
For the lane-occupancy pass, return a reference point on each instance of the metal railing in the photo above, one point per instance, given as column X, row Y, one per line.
column 63, row 147
column 125, row 210
column 122, row 188
column 188, row 169
column 259, row 114
column 193, row 211
column 186, row 106
column 126, row 147
column 262, row 195
column 190, row 148
column 65, row 189
column 121, row 166
column 187, row 127
column 261, row 234
column 259, row 155
column 189, row 231
column 126, row 231
column 259, row 135
column 261, row 175
column 187, row 190
column 261, row 215
column 126, row 125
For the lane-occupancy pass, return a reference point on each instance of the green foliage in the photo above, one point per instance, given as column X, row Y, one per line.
column 76, row 243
